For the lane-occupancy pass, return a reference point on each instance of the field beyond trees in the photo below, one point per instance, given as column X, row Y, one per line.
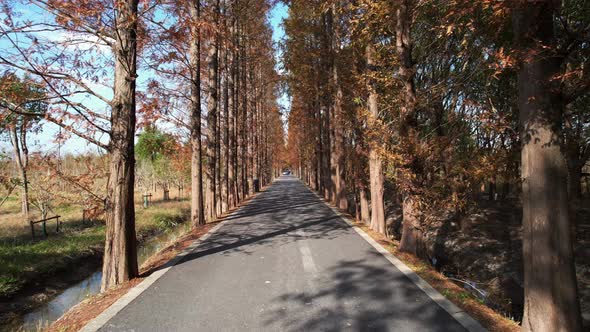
column 26, row 262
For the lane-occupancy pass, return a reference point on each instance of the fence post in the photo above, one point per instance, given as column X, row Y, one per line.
column 57, row 225
column 32, row 228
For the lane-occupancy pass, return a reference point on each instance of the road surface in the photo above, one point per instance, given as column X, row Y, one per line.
column 285, row 262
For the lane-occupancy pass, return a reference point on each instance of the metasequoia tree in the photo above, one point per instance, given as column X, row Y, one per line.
column 197, row 203
column 312, row 66
column 412, row 229
column 551, row 302
column 22, row 106
column 78, row 49
column 375, row 161
column 212, row 113
column 446, row 88
column 175, row 54
column 237, row 82
column 337, row 115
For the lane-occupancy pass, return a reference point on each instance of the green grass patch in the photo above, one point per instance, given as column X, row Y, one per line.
column 23, row 260
column 166, row 221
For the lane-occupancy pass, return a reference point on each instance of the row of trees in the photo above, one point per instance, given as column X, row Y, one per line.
column 89, row 58
column 438, row 97
column 244, row 131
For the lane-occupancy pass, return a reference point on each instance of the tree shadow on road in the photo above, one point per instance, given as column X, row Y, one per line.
column 277, row 216
column 360, row 295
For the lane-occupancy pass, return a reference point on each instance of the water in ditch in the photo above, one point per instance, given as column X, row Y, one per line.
column 49, row 312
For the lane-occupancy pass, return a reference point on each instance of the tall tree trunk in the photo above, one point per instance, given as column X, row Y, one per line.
column 218, row 127
column 551, row 299
column 375, row 163
column 339, row 121
column 120, row 254
column 232, row 167
column 574, row 178
column 325, row 99
column 411, row 240
column 254, row 127
column 197, row 205
column 239, row 114
column 332, row 116
column 212, row 103
column 574, row 162
column 244, row 119
column 492, row 190
column 225, row 128
column 21, row 161
column 250, row 133
column 326, row 165
column 365, row 212
column 319, row 139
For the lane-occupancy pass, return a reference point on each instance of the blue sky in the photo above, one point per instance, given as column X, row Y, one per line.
column 45, row 142
column 277, row 15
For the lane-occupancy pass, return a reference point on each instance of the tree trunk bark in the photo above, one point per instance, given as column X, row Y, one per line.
column 212, row 101
column 411, row 241
column 21, row 165
column 551, row 301
column 225, row 146
column 244, row 120
column 197, row 205
column 120, row 255
column 250, row 132
column 365, row 213
column 375, row 162
column 412, row 238
column 232, row 168
column 492, row 190
column 340, row 199
column 574, row 166
column 218, row 126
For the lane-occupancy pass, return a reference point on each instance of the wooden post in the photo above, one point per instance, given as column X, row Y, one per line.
column 32, row 229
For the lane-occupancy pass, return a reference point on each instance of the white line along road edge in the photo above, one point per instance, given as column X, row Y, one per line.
column 100, row 320
column 460, row 316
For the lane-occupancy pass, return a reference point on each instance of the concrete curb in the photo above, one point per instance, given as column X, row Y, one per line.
column 460, row 316
column 100, row 320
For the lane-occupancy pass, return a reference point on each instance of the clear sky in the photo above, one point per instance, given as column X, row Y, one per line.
column 45, row 140
column 277, row 15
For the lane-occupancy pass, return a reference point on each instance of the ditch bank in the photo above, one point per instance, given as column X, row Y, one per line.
column 481, row 252
column 47, row 297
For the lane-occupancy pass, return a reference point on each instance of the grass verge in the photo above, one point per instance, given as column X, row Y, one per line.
column 24, row 261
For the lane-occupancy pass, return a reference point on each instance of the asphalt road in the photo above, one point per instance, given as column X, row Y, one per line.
column 285, row 262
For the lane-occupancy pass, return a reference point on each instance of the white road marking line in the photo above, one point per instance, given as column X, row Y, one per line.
column 308, row 263
column 306, row 257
